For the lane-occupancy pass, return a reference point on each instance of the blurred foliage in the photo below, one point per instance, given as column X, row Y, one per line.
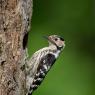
column 74, row 71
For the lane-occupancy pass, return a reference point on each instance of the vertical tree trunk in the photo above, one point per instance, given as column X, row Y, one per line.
column 15, row 17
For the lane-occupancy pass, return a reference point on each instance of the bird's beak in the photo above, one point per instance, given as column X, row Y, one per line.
column 48, row 38
column 45, row 37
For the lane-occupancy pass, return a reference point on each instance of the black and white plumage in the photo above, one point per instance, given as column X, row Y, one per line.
column 41, row 62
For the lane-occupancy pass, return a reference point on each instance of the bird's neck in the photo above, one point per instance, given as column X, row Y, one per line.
column 54, row 48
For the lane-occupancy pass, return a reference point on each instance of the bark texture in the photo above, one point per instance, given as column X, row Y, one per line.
column 15, row 18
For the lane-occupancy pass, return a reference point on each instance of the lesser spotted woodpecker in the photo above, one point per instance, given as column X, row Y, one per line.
column 41, row 62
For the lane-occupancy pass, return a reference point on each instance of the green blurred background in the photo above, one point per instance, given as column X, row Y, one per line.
column 74, row 71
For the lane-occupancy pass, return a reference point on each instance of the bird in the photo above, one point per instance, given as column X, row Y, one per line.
column 41, row 62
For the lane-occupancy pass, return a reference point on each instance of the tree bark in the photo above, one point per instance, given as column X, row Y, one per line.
column 15, row 18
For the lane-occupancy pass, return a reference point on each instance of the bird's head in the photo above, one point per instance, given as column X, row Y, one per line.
column 57, row 41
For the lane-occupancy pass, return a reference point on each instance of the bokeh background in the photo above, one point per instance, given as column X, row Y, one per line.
column 74, row 71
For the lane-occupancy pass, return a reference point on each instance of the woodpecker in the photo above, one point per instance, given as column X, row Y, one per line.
column 41, row 62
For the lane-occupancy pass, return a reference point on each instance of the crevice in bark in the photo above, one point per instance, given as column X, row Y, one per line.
column 2, row 63
column 25, row 40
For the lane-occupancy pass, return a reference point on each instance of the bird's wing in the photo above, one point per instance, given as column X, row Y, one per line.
column 44, row 66
column 37, row 68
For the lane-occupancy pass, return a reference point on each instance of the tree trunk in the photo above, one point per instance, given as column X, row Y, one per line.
column 15, row 18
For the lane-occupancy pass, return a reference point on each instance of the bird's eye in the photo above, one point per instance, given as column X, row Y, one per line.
column 56, row 39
